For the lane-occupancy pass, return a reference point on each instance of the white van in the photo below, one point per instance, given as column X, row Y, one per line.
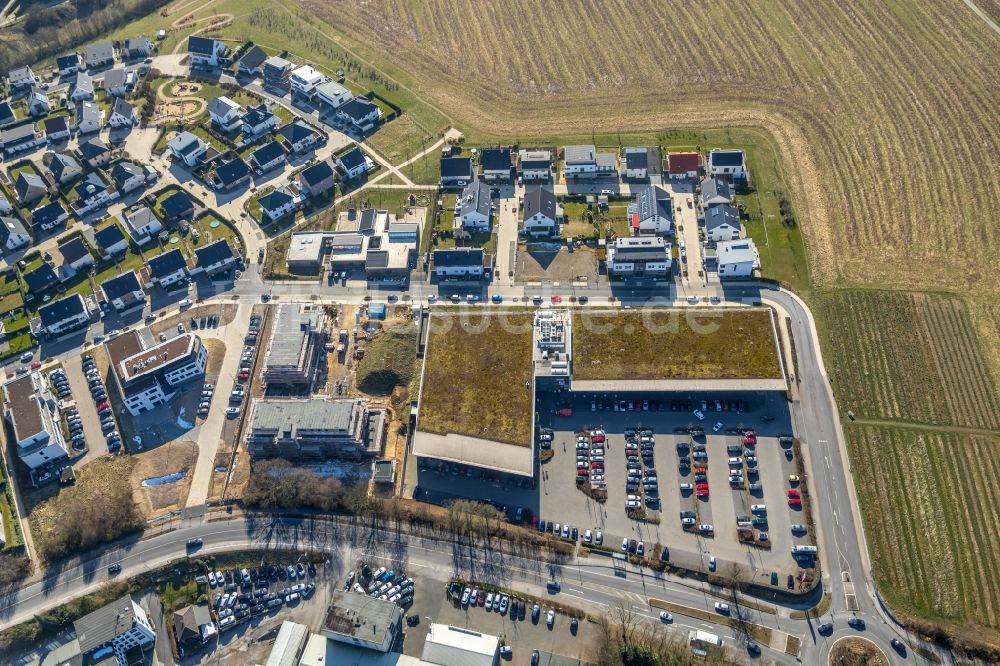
column 758, row 508
column 736, row 462
column 804, row 550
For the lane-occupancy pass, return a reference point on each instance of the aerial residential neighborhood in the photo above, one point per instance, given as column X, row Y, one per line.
column 404, row 334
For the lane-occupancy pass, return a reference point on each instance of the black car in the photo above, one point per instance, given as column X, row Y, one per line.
column 115, row 568
column 825, row 628
column 898, row 645
column 258, row 609
column 413, row 620
column 632, row 545
column 856, row 623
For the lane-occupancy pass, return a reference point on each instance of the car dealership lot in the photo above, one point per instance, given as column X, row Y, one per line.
column 562, row 501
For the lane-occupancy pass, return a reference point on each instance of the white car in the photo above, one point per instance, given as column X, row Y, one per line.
column 232, row 412
column 496, row 602
column 698, row 414
column 624, row 545
column 632, row 504
column 489, row 601
column 640, row 549
column 717, row 427
column 687, row 486
column 504, row 602
column 550, row 618
column 565, row 531
column 588, row 536
column 666, row 617
column 211, row 578
column 706, row 528
column 599, row 538
column 722, row 608
column 465, row 596
column 711, row 563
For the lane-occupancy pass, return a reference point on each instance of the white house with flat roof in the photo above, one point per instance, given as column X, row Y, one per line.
column 333, row 93
column 455, row 646
column 305, row 79
column 737, row 258
column 30, row 410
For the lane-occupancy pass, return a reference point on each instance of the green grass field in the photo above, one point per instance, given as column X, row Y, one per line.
column 390, row 361
column 929, row 500
column 674, row 344
column 477, row 377
column 907, row 357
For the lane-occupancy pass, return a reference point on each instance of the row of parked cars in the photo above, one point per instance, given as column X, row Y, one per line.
column 60, row 384
column 384, row 584
column 640, row 469
column 104, row 411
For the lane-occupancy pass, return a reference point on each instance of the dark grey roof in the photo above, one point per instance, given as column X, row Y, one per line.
column 56, row 125
column 125, row 170
column 317, row 173
column 89, row 186
column 651, row 201
column 40, row 279
column 636, row 160
column 10, row 226
column 21, row 76
column 166, row 263
column 138, row 45
column 214, row 253
column 539, row 199
column 61, row 162
column 114, row 78
column 121, row 285
column 232, row 172
column 726, row 158
column 376, row 259
column 92, row 148
column 67, row 61
column 104, row 624
column 256, row 115
column 495, row 159
column 28, row 181
column 357, row 108
column 456, row 167
column 716, row 187
column 465, row 256
column 47, row 213
column 253, row 58
column 73, row 250
column 58, row 311
column 122, row 108
column 717, row 216
column 367, row 222
column 108, row 236
column 296, row 131
column 476, row 198
column 267, row 153
column 100, row 52
column 274, row 199
column 177, row 205
column 352, row 158
column 6, row 113
column 18, row 134
column 201, row 45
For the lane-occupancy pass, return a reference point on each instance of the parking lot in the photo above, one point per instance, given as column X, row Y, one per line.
column 760, row 472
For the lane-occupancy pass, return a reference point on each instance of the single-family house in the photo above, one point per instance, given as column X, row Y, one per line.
column 722, row 223
column 652, row 213
column 456, row 171
column 122, row 113
column 141, row 225
column 128, row 177
column 20, row 138
column 540, row 213
column 110, row 240
column 7, row 116
column 13, row 235
column 225, row 113
column 683, row 165
column 178, row 206
column 232, row 174
column 187, row 148
column 83, row 89
column 94, row 152
column 48, row 216
column 64, row 168
column 75, row 255
column 496, row 164
column 215, row 257
column 40, row 279
column 258, row 120
column 643, row 162
column 206, row 52
column 737, row 258
column 65, row 315
column 299, row 137
column 168, row 269
column 304, row 80
column 361, row 113
column 317, row 179
column 278, row 203
column 251, row 63
column 333, row 93
column 68, row 64
column 276, row 72
column 535, row 165
column 38, row 103
column 715, row 191
column 267, row 157
column 639, row 257
column 731, row 163
column 457, row 263
column 353, row 163
column 113, row 82
column 92, row 193
column 137, row 48
column 29, row 187
column 123, row 292
column 585, row 162
column 97, row 56
column 21, row 79
column 475, row 206
column 89, row 118
column 56, row 128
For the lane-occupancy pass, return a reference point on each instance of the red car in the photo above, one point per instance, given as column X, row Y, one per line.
column 750, row 439
column 556, row 299
column 243, row 376
column 794, row 501
column 103, row 405
column 597, row 465
column 565, row 411
column 35, row 365
column 701, row 492
column 597, row 439
column 582, row 472
column 792, row 492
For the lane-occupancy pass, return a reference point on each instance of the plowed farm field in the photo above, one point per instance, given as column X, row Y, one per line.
column 930, row 506
column 908, row 357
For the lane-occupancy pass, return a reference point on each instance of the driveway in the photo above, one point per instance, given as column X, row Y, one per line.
column 507, row 222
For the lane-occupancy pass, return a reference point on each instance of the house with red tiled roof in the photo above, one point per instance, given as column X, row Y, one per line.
column 683, row 165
